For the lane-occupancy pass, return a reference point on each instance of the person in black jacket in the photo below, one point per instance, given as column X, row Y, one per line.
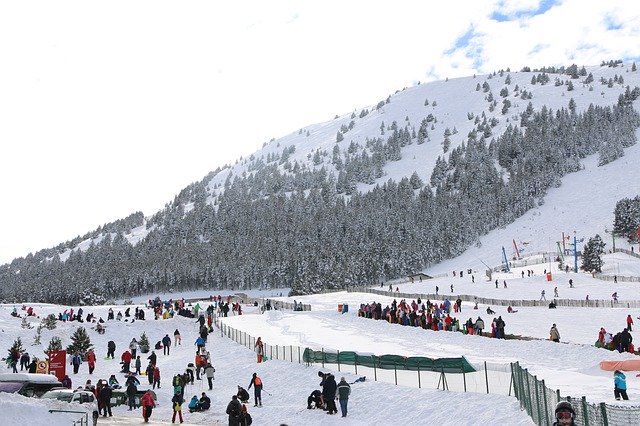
column 153, row 358
column 329, row 393
column 315, row 397
column 111, row 349
column 233, row 410
column 256, row 382
column 131, row 394
column 105, row 398
column 625, row 340
column 243, row 395
column 205, row 402
column 166, row 342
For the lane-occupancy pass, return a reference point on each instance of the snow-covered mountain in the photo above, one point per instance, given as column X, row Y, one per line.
column 392, row 188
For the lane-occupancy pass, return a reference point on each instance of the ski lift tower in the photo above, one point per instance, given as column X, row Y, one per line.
column 505, row 260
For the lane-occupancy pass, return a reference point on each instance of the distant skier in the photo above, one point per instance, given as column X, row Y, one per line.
column 554, row 334
column 256, row 382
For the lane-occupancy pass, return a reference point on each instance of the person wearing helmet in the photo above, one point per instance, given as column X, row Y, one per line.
column 564, row 414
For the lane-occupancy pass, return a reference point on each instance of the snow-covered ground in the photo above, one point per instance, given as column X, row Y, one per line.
column 288, row 384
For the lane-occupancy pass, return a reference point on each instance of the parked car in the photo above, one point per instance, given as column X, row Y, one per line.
column 28, row 384
column 86, row 398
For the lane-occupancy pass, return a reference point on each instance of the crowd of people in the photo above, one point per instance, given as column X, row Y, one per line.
column 432, row 316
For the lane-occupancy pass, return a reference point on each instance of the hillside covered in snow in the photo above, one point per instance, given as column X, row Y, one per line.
column 433, row 171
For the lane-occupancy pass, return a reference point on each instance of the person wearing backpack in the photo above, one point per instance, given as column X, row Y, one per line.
column 234, row 411
column 177, row 407
column 256, row 382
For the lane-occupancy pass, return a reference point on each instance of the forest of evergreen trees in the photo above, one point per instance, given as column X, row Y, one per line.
column 309, row 229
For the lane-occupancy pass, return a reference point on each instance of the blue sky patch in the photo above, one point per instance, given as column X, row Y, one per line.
column 542, row 8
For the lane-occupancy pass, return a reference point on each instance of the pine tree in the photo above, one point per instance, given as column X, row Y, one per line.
column 592, row 255
column 38, row 336
column 16, row 347
column 55, row 344
column 144, row 343
column 49, row 322
column 25, row 323
column 81, row 343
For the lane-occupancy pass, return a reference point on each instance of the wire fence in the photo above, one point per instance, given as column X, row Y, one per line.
column 445, row 373
column 539, row 401
column 572, row 303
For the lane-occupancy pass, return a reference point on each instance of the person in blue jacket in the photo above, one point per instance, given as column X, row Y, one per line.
column 620, row 385
column 193, row 404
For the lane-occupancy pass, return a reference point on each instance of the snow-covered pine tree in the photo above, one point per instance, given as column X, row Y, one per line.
column 144, row 343
column 592, row 255
column 16, row 348
column 26, row 323
column 38, row 336
column 49, row 322
column 55, row 344
column 80, row 342
column 626, row 220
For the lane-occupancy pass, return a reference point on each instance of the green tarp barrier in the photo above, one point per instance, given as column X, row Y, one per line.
column 390, row 362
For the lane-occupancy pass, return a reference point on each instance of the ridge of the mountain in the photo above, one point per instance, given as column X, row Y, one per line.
column 395, row 145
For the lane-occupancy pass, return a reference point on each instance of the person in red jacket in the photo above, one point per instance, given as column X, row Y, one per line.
column 629, row 322
column 156, row 377
column 91, row 360
column 126, row 361
column 148, row 404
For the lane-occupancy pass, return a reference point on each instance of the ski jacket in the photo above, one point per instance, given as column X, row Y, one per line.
column 147, row 400
column 209, row 370
column 620, row 381
column 329, row 388
column 344, row 390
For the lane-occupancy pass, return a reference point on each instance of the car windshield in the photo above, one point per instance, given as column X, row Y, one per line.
column 66, row 397
column 10, row 387
column 61, row 396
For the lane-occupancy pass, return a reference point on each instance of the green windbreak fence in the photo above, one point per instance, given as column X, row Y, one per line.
column 390, row 362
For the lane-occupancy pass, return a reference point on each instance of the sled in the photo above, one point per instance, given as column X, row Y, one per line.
column 626, row 365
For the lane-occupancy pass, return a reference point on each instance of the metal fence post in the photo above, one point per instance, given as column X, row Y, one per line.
column 546, row 406
column 355, row 363
column 585, row 411
column 529, row 406
column 395, row 372
column 486, row 377
column 535, row 381
column 464, row 377
column 322, row 357
column 375, row 372
column 603, row 410
column 338, row 360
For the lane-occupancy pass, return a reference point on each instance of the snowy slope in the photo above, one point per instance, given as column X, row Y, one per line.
column 289, row 384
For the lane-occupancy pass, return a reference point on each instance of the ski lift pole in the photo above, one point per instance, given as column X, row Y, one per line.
column 505, row 260
column 575, row 253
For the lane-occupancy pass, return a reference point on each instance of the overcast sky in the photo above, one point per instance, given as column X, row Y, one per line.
column 107, row 108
